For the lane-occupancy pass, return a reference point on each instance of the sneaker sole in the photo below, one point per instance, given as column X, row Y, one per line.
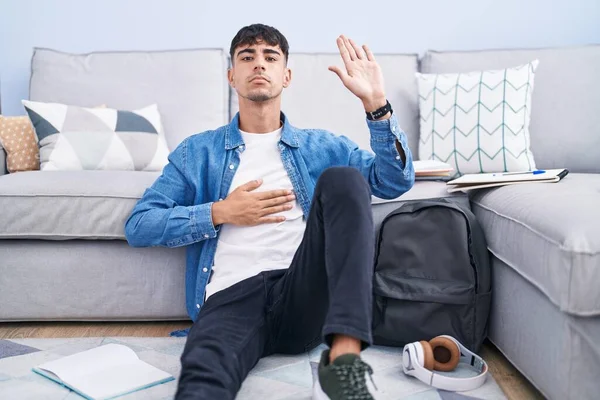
column 319, row 394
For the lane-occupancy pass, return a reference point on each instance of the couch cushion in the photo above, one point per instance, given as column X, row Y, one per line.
column 189, row 86
column 549, row 233
column 58, row 205
column 565, row 123
column 317, row 98
column 423, row 189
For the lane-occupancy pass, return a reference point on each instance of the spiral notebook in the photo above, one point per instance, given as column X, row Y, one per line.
column 481, row 181
column 104, row 372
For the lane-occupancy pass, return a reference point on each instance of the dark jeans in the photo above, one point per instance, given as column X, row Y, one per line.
column 327, row 290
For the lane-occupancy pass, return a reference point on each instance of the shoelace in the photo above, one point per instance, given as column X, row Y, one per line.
column 352, row 378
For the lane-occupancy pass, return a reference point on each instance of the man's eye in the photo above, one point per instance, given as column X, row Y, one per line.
column 247, row 58
column 271, row 59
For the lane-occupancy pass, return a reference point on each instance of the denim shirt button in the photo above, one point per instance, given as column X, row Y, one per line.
column 397, row 157
column 231, row 166
column 204, row 269
column 197, row 305
column 393, row 129
column 206, row 235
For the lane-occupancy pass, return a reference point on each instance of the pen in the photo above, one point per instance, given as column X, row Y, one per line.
column 536, row 172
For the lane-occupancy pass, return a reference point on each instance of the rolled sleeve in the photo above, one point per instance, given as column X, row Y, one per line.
column 384, row 135
column 380, row 130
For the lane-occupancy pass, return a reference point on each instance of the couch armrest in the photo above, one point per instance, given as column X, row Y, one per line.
column 2, row 160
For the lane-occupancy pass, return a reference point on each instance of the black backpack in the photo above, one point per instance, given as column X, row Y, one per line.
column 432, row 275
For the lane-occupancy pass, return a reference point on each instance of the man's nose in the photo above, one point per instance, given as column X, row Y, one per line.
column 260, row 65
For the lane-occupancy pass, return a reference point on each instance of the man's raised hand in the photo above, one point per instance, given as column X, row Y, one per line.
column 361, row 73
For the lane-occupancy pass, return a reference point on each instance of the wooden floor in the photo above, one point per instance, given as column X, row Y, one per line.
column 514, row 385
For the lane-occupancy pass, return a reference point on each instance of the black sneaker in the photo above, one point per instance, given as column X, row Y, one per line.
column 344, row 379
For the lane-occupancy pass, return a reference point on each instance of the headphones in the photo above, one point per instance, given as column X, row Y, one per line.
column 442, row 353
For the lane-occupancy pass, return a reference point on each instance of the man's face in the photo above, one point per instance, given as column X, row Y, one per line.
column 259, row 72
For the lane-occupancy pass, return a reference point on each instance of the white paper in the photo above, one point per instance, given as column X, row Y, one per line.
column 104, row 371
column 430, row 165
column 90, row 361
column 118, row 380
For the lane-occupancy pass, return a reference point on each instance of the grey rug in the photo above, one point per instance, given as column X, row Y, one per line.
column 274, row 378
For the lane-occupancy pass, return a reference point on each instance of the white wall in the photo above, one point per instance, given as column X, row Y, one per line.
column 310, row 25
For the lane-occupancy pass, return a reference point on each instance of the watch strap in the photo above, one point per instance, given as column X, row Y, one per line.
column 380, row 112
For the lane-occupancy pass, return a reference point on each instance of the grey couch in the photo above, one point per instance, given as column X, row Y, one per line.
column 63, row 255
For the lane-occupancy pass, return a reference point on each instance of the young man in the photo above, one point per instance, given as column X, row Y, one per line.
column 278, row 225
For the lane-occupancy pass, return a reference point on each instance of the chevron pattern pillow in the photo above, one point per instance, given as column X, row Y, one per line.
column 79, row 138
column 478, row 122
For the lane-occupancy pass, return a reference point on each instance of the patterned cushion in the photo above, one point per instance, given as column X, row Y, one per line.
column 80, row 138
column 20, row 143
column 477, row 121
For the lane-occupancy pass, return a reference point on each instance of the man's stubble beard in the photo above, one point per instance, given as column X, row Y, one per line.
column 261, row 97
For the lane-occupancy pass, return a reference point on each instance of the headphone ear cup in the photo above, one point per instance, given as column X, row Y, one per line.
column 428, row 360
column 445, row 354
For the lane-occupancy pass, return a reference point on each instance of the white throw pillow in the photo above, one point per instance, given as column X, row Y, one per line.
column 80, row 138
column 478, row 122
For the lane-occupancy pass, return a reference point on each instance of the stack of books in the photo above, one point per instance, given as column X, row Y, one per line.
column 431, row 169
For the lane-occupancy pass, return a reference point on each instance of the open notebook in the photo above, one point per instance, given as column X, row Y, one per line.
column 103, row 372
column 481, row 181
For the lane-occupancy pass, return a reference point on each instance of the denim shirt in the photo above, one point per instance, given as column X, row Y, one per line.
column 176, row 210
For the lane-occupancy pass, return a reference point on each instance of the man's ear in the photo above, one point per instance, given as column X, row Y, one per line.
column 230, row 77
column 287, row 78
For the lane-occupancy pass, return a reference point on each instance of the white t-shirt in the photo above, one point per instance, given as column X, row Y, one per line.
column 245, row 251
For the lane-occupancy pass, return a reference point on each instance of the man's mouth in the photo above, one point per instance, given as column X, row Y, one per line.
column 259, row 77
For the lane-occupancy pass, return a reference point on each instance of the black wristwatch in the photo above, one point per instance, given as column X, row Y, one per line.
column 380, row 112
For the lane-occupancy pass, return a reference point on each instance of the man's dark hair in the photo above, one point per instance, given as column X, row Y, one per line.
column 252, row 34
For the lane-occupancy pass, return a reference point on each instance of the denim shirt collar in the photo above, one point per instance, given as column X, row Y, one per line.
column 233, row 137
